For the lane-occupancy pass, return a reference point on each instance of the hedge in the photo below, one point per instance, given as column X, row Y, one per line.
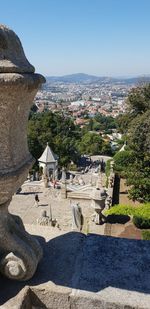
column 141, row 223
column 140, row 214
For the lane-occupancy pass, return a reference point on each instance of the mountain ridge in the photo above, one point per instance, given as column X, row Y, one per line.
column 83, row 77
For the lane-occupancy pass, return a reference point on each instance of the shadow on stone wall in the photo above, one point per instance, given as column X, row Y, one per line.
column 116, row 191
column 89, row 263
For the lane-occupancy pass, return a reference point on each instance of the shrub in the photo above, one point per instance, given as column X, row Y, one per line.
column 141, row 222
column 120, row 210
column 146, row 235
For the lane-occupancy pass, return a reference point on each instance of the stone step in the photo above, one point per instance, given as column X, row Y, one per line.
column 107, row 230
column 81, row 195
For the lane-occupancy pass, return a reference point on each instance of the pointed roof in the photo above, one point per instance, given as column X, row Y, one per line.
column 48, row 156
column 123, row 147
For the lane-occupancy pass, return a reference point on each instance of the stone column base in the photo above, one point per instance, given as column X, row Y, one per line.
column 20, row 252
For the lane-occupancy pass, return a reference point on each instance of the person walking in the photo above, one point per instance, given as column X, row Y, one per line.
column 36, row 200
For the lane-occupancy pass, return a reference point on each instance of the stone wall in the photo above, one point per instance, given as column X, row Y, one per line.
column 79, row 271
column 51, row 296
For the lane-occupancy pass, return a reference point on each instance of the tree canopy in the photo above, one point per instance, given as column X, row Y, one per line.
column 139, row 100
column 90, row 144
column 65, row 138
column 136, row 124
column 59, row 132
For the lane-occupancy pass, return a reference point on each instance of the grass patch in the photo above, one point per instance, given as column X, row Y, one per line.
column 120, row 210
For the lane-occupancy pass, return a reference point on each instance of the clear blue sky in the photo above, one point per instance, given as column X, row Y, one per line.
column 100, row 37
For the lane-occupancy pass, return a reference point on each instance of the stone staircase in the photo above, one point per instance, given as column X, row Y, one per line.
column 79, row 194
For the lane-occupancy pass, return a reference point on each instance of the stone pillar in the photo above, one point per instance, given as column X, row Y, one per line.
column 45, row 177
column 19, row 252
column 99, row 182
column 63, row 184
column 63, row 190
column 111, row 180
column 71, row 179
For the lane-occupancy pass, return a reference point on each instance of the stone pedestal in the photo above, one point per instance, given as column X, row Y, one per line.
column 98, row 203
column 63, row 191
column 19, row 252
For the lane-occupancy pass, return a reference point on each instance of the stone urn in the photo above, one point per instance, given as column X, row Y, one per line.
column 19, row 252
column 98, row 203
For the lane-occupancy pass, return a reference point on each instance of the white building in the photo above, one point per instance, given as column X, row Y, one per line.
column 78, row 103
column 48, row 161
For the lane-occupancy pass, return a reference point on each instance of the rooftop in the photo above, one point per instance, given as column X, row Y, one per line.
column 48, row 156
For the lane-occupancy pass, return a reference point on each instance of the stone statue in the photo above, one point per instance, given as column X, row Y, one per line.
column 63, row 177
column 77, row 217
column 76, row 180
column 71, row 178
column 81, row 181
column 44, row 219
column 19, row 252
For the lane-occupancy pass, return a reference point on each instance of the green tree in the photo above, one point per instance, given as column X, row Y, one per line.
column 139, row 134
column 139, row 100
column 90, row 124
column 122, row 160
column 106, row 149
column 60, row 132
column 123, row 121
column 90, row 144
column 136, row 124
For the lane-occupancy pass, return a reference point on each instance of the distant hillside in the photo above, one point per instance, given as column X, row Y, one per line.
column 135, row 80
column 86, row 78
column 73, row 78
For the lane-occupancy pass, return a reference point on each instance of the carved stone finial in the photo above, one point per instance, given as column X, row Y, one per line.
column 12, row 57
column 19, row 252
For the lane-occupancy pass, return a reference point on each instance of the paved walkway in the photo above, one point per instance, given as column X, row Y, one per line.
column 23, row 205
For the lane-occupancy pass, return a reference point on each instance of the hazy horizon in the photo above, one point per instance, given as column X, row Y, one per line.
column 100, row 75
